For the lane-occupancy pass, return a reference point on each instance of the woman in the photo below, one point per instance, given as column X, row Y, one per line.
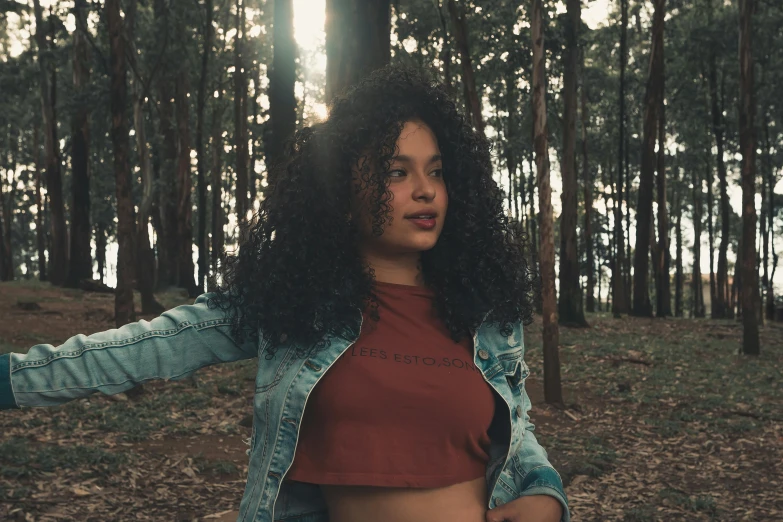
column 381, row 268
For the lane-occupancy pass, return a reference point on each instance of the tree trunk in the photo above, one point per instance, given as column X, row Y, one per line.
column 711, row 235
column 534, row 219
column 446, row 49
column 145, row 257
column 80, row 265
column 696, row 286
column 203, row 252
column 570, row 310
column 588, row 197
column 168, row 243
column 663, row 291
column 7, row 212
column 184, row 186
column 461, row 35
column 123, row 301
column 59, row 252
column 508, row 148
column 282, row 102
column 764, row 286
column 100, row 250
column 553, row 393
column 750, row 292
column 240, row 114
column 40, row 229
column 641, row 298
column 357, row 41
column 678, row 274
column 619, row 292
column 217, row 187
column 721, row 294
column 769, row 182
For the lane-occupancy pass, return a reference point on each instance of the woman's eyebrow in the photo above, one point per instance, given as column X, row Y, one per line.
column 407, row 159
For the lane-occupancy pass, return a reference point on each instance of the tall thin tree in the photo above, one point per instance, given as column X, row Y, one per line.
column 201, row 167
column 80, row 264
column 282, row 77
column 358, row 40
column 641, row 295
column 553, row 393
column 473, row 100
column 750, row 288
column 663, row 257
column 240, row 113
column 619, row 292
column 588, row 198
column 58, row 254
column 123, row 296
column 570, row 308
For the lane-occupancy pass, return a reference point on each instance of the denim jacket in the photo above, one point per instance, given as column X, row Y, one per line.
column 186, row 338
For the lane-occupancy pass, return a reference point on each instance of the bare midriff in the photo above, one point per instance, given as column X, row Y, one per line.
column 462, row 502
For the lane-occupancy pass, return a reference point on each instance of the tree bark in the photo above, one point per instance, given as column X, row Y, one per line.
column 357, row 41
column 721, row 295
column 553, row 393
column 282, row 102
column 678, row 273
column 769, row 182
column 123, row 298
column 58, row 254
column 588, row 198
column 641, row 296
column 663, row 291
column 697, row 308
column 40, row 230
column 508, row 142
column 446, row 49
column 619, row 292
column 184, row 185
column 217, row 187
column 80, row 265
column 469, row 79
column 534, row 218
column 570, row 309
column 240, row 114
column 203, row 251
column 7, row 210
column 168, row 241
column 750, row 287
column 145, row 257
column 711, row 235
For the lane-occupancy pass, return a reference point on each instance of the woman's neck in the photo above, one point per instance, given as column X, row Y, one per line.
column 404, row 270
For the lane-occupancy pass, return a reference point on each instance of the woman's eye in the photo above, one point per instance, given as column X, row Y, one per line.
column 398, row 171
column 439, row 171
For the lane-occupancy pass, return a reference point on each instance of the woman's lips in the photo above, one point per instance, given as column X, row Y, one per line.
column 423, row 223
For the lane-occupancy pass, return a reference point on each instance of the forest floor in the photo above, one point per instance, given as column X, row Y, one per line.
column 665, row 420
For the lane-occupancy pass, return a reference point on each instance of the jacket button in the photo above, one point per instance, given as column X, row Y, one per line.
column 498, row 501
column 519, row 411
column 483, row 354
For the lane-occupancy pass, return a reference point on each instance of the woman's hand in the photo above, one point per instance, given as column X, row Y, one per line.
column 532, row 508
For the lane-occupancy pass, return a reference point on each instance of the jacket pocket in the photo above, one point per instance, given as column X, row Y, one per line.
column 516, row 371
column 271, row 371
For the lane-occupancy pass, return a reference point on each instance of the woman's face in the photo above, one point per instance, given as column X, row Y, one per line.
column 417, row 187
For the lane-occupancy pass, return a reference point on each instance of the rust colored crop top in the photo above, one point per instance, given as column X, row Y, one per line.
column 404, row 406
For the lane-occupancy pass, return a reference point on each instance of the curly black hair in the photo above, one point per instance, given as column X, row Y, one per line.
column 298, row 274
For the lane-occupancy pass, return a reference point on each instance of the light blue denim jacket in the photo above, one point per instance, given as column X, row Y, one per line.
column 190, row 337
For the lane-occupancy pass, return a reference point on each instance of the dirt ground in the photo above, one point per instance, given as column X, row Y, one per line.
column 664, row 421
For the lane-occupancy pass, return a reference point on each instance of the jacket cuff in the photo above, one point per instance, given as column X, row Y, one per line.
column 7, row 401
column 544, row 480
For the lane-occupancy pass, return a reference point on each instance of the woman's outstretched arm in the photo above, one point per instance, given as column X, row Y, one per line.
column 170, row 347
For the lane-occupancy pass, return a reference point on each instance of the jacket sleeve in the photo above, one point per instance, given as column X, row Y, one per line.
column 170, row 347
column 534, row 474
